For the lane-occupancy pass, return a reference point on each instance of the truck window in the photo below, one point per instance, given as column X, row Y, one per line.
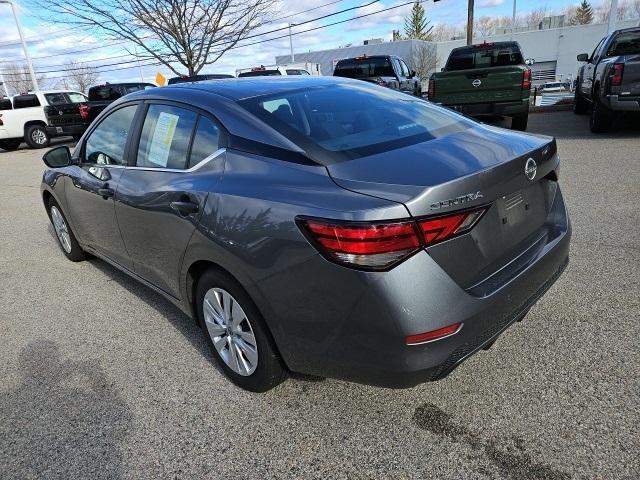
column 627, row 43
column 76, row 97
column 296, row 71
column 105, row 92
column 484, row 56
column 260, row 73
column 56, row 98
column 364, row 68
column 5, row 104
column 25, row 101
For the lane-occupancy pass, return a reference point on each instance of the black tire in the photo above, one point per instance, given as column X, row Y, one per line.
column 601, row 117
column 36, row 136
column 11, row 144
column 74, row 252
column 418, row 91
column 270, row 370
column 580, row 104
column 519, row 122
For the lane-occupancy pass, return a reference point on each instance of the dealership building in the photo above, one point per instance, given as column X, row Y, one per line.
column 553, row 46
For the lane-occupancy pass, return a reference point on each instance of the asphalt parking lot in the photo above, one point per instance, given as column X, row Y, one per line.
column 102, row 378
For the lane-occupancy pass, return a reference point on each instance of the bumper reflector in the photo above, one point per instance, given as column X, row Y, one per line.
column 433, row 335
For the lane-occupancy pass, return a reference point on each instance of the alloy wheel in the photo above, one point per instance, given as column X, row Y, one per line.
column 62, row 231
column 230, row 331
column 39, row 136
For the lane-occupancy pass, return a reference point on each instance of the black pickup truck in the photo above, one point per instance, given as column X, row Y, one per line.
column 74, row 118
column 609, row 81
column 385, row 70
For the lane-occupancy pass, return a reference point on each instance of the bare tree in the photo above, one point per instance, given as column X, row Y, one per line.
column 81, row 75
column 17, row 77
column 442, row 32
column 424, row 59
column 190, row 33
column 534, row 17
column 484, row 26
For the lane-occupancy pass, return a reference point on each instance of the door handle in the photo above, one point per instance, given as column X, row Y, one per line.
column 185, row 208
column 106, row 192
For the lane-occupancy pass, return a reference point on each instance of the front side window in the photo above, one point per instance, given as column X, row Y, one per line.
column 106, row 144
column 206, row 141
column 165, row 138
column 353, row 120
column 405, row 69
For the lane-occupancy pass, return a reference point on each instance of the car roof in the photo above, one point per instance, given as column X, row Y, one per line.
column 247, row 87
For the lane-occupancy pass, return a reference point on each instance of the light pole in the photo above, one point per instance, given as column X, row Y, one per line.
column 24, row 45
column 291, row 41
column 613, row 16
column 470, row 23
column 513, row 20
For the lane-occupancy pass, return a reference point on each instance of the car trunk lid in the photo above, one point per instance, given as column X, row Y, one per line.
column 479, row 167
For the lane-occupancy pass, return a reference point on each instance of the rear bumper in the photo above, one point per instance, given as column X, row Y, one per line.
column 75, row 129
column 622, row 104
column 339, row 323
column 489, row 109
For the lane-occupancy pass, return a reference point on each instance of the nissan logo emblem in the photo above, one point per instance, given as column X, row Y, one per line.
column 530, row 168
column 476, row 83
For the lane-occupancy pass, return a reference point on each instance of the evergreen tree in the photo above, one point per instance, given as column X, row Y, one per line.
column 583, row 15
column 416, row 24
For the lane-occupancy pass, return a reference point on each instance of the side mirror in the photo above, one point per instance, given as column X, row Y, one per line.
column 442, row 69
column 412, row 73
column 583, row 57
column 57, row 157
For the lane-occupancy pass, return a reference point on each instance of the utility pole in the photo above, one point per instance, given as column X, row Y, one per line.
column 291, row 41
column 34, row 81
column 6, row 90
column 470, row 23
column 513, row 20
column 135, row 51
column 613, row 16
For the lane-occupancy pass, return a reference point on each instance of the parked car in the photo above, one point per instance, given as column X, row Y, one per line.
column 320, row 225
column 198, row 78
column 306, row 68
column 22, row 117
column 74, row 118
column 552, row 87
column 488, row 79
column 609, row 81
column 384, row 70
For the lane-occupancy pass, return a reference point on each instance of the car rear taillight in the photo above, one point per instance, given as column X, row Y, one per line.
column 84, row 111
column 432, row 88
column 433, row 335
column 526, row 79
column 382, row 245
column 617, row 69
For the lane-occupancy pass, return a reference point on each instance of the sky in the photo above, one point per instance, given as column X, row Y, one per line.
column 51, row 45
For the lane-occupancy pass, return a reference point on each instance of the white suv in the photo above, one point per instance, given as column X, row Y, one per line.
column 22, row 117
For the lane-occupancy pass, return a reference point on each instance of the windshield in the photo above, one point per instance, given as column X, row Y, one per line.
column 353, row 120
column 483, row 56
column 364, row 67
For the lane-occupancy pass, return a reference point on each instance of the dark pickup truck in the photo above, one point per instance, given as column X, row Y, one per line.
column 488, row 79
column 609, row 81
column 385, row 70
column 74, row 118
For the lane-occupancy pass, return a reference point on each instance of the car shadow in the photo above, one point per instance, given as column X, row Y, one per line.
column 567, row 125
column 64, row 415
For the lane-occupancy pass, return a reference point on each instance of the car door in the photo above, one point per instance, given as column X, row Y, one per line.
column 589, row 70
column 406, row 81
column 162, row 194
column 94, row 182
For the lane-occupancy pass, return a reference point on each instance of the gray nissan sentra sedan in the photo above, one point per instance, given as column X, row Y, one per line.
column 319, row 225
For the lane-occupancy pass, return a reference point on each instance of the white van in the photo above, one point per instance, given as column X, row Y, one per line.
column 303, row 68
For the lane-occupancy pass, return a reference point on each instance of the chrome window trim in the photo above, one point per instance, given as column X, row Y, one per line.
column 197, row 166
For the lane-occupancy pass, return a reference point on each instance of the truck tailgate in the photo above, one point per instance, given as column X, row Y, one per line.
column 479, row 85
column 631, row 76
column 64, row 114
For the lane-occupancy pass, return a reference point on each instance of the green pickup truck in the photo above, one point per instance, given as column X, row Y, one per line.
column 489, row 79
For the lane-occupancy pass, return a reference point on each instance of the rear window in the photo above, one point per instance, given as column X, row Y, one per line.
column 25, row 101
column 297, row 71
column 338, row 122
column 260, row 73
column 627, row 43
column 364, row 67
column 480, row 56
column 105, row 92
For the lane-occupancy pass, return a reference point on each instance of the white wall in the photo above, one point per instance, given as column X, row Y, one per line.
column 556, row 44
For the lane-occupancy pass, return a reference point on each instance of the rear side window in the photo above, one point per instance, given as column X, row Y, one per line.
column 627, row 43
column 165, row 138
column 25, row 101
column 5, row 104
column 205, row 141
column 105, row 145
column 484, row 56
column 364, row 67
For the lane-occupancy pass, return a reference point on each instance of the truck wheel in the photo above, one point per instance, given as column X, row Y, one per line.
column 417, row 91
column 519, row 122
column 11, row 144
column 601, row 117
column 580, row 105
column 36, row 136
